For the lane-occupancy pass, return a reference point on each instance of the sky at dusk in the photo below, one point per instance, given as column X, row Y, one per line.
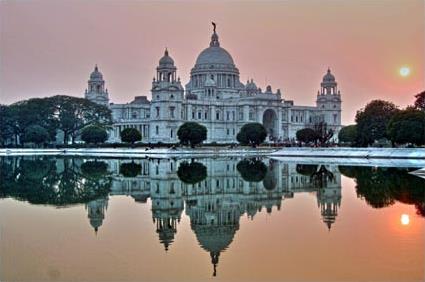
column 50, row 47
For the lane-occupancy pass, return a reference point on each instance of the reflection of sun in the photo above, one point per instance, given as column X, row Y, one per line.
column 404, row 71
column 405, row 220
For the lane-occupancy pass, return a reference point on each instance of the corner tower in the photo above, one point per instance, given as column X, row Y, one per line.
column 167, row 98
column 329, row 102
column 96, row 91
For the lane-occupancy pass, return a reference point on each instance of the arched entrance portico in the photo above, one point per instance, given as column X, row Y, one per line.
column 270, row 123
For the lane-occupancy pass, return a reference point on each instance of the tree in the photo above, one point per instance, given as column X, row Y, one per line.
column 407, row 126
column 306, row 135
column 252, row 134
column 252, row 170
column 130, row 135
column 37, row 111
column 348, row 134
column 72, row 114
column 324, row 134
column 191, row 173
column 192, row 133
column 6, row 124
column 35, row 134
column 94, row 134
column 130, row 169
column 372, row 121
column 420, row 101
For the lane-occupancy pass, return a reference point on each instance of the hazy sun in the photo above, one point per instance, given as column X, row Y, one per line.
column 404, row 71
column 405, row 220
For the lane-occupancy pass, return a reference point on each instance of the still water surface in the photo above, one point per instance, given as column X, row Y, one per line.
column 222, row 219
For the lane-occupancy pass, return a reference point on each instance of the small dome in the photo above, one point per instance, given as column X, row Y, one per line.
column 96, row 74
column 166, row 60
column 328, row 77
column 251, row 86
column 210, row 82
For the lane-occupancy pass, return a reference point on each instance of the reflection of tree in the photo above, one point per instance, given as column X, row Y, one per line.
column 321, row 177
column 130, row 169
column 192, row 173
column 56, row 182
column 306, row 169
column 381, row 187
column 252, row 170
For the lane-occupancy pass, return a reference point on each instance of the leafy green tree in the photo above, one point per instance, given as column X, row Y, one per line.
column 348, row 134
column 306, row 135
column 420, row 101
column 407, row 126
column 372, row 121
column 130, row 135
column 94, row 134
column 191, row 173
column 252, row 134
column 37, row 111
column 35, row 134
column 6, row 124
column 130, row 169
column 72, row 114
column 252, row 170
column 192, row 133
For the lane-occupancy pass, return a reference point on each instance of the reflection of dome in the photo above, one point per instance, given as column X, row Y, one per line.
column 329, row 77
column 215, row 239
column 166, row 60
column 96, row 74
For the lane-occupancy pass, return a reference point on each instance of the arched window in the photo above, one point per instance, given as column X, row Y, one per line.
column 228, row 82
column 217, row 115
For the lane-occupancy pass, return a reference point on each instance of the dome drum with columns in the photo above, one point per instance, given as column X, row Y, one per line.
column 215, row 98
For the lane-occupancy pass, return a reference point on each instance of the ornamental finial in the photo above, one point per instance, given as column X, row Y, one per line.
column 214, row 26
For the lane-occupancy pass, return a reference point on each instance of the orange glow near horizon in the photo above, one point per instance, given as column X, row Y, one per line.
column 50, row 47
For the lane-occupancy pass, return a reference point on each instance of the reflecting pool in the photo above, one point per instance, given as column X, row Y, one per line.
column 208, row 219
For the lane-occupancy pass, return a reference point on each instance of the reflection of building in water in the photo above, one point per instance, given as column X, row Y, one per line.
column 96, row 212
column 329, row 200
column 215, row 204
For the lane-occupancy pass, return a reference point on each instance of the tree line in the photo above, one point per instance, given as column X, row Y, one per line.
column 38, row 120
column 382, row 120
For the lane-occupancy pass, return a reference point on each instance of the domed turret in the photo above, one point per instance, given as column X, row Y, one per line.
column 166, row 60
column 96, row 74
column 251, row 87
column 96, row 91
column 328, row 77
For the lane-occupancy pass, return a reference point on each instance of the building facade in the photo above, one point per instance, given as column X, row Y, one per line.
column 216, row 98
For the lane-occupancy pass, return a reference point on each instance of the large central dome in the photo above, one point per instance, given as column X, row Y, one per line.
column 214, row 56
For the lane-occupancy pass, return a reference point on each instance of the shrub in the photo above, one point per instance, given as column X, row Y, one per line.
column 252, row 134
column 130, row 135
column 94, row 134
column 192, row 133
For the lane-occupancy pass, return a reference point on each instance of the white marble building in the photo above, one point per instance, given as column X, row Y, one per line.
column 215, row 98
